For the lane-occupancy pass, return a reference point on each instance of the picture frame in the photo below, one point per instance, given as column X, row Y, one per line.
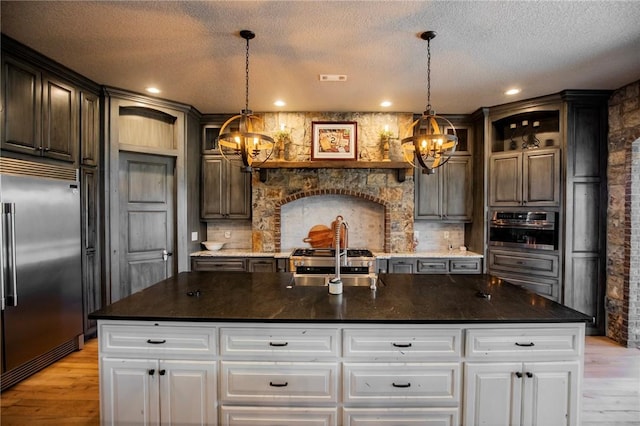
column 334, row 140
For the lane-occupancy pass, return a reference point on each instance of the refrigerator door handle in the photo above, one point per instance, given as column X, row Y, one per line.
column 9, row 233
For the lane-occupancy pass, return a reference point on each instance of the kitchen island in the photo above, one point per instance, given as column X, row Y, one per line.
column 253, row 349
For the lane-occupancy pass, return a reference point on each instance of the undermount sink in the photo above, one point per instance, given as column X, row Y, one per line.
column 347, row 280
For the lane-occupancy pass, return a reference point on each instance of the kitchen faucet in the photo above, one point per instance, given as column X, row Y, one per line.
column 335, row 284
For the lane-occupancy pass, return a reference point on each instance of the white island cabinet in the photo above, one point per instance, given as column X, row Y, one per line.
column 153, row 374
column 351, row 374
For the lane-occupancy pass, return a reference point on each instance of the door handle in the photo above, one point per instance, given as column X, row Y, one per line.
column 9, row 232
column 166, row 254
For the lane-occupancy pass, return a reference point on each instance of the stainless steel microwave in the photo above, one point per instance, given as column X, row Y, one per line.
column 530, row 230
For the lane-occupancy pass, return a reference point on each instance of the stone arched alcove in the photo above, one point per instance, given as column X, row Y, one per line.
column 330, row 198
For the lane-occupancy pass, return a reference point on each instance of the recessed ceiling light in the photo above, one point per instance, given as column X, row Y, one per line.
column 279, row 103
column 385, row 104
column 513, row 91
column 153, row 90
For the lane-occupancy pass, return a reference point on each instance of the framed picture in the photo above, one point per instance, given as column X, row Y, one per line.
column 334, row 140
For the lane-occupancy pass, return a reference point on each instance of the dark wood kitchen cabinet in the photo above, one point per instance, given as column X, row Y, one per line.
column 90, row 214
column 225, row 190
column 52, row 113
column 238, row 264
column 89, row 129
column 435, row 265
column 40, row 114
column 447, row 194
column 550, row 154
column 528, row 178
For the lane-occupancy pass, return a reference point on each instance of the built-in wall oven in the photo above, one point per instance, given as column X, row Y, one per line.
column 529, row 230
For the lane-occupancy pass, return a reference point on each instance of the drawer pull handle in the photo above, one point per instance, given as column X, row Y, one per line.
column 156, row 342
column 278, row 385
column 278, row 345
column 402, row 345
column 525, row 344
column 401, row 385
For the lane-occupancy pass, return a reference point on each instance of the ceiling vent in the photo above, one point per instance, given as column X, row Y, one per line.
column 333, row 77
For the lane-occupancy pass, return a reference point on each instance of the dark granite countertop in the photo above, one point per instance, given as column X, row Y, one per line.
column 400, row 298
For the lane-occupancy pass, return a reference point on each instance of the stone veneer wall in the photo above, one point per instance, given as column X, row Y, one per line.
column 378, row 185
column 623, row 227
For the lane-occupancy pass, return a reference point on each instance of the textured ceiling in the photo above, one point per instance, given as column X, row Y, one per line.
column 191, row 50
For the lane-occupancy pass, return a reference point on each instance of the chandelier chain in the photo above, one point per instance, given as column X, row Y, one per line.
column 428, row 76
column 246, row 87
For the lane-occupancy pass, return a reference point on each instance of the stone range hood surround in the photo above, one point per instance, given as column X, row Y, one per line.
column 375, row 185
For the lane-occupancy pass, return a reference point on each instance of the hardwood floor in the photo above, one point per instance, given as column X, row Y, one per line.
column 611, row 384
column 66, row 393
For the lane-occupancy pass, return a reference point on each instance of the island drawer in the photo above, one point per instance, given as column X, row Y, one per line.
column 276, row 343
column 427, row 384
column 402, row 344
column 282, row 416
column 400, row 416
column 279, row 382
column 517, row 343
column 153, row 340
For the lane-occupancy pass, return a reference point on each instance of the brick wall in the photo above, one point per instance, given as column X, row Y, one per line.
column 623, row 218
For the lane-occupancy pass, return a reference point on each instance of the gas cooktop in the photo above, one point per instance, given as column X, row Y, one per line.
column 329, row 252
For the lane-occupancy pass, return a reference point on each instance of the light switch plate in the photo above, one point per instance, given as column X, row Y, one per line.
column 194, row 236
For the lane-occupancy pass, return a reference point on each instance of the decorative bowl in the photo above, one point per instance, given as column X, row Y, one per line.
column 213, row 245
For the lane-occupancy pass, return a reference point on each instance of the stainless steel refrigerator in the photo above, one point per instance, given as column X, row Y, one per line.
column 41, row 267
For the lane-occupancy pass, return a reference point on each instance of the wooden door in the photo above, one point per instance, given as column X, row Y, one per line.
column 456, row 189
column 549, row 396
column 21, row 100
column 60, row 120
column 147, row 220
column 492, row 393
column 187, row 392
column 212, row 201
column 89, row 129
column 428, row 194
column 505, row 179
column 541, row 177
column 129, row 392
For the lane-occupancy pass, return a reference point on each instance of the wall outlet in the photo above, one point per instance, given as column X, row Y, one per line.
column 227, row 234
column 446, row 235
column 416, row 235
column 194, row 236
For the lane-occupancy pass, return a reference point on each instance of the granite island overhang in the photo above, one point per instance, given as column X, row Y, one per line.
column 234, row 348
column 399, row 298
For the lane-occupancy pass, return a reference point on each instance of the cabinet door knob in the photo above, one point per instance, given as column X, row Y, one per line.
column 152, row 372
column 518, row 375
column 529, row 374
column 162, row 372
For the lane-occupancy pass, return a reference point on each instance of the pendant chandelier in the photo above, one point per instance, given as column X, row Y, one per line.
column 434, row 138
column 238, row 142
